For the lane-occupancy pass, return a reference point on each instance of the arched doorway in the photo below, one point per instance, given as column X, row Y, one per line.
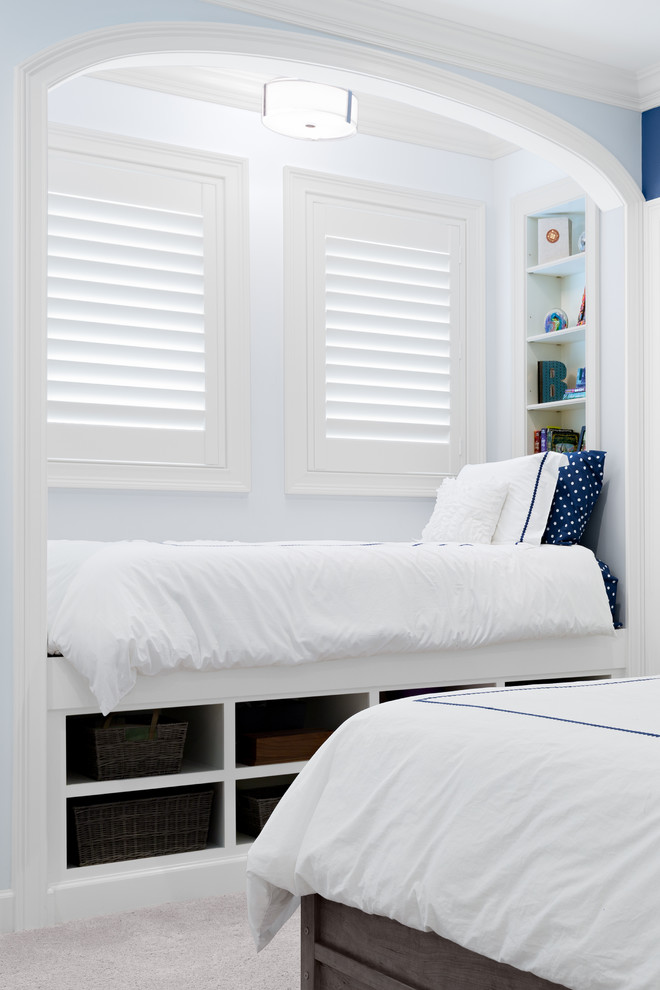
column 597, row 171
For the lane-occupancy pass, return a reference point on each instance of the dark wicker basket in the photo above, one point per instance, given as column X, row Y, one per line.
column 158, row 824
column 137, row 745
column 255, row 806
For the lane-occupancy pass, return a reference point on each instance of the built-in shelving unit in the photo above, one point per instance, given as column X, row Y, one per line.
column 220, row 706
column 558, row 284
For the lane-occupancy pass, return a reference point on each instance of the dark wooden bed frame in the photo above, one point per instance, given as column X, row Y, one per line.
column 344, row 949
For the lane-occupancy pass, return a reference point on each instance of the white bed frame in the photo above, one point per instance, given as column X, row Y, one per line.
column 208, row 700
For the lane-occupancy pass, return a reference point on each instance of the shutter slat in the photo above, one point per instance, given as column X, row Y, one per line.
column 96, row 414
column 370, row 412
column 416, row 329
column 369, row 377
column 125, row 395
column 395, row 289
column 355, row 357
column 131, row 237
column 397, row 254
column 387, row 346
column 124, row 214
column 87, row 312
column 358, row 268
column 131, row 357
column 387, row 343
column 125, row 335
column 125, row 315
column 391, row 432
column 387, row 396
column 123, row 375
column 108, row 294
column 106, row 273
column 338, row 302
column 153, row 258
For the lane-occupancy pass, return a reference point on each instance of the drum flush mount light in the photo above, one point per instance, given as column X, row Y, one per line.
column 310, row 110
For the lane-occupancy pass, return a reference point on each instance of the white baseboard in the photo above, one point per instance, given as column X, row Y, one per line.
column 110, row 894
column 6, row 911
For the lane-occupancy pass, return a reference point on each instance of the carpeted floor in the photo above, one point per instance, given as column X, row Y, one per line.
column 198, row 945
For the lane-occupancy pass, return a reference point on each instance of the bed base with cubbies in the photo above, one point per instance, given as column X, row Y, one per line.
column 220, row 709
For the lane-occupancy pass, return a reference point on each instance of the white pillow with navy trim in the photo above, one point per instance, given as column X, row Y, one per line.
column 532, row 481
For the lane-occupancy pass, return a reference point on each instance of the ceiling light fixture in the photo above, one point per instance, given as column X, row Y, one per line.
column 309, row 110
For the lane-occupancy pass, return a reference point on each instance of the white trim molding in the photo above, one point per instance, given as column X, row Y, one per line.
column 400, row 29
column 651, row 536
column 6, row 911
column 386, row 75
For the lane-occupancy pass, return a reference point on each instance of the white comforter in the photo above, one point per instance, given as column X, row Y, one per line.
column 520, row 823
column 137, row 607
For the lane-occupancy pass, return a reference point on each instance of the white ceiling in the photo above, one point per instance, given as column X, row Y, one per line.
column 621, row 33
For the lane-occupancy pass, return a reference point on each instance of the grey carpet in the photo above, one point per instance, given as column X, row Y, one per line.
column 198, row 945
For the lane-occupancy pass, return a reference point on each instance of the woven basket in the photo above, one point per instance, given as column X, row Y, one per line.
column 132, row 828
column 255, row 806
column 139, row 745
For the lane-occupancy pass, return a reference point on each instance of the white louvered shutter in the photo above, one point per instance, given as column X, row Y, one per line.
column 127, row 315
column 147, row 323
column 389, row 334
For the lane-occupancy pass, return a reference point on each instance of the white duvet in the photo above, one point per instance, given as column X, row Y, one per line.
column 520, row 823
column 125, row 608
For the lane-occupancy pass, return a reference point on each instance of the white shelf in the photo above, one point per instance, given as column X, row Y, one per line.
column 571, row 335
column 191, row 775
column 571, row 265
column 563, row 404
column 244, row 772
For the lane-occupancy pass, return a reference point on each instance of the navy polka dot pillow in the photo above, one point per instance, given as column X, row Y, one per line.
column 578, row 486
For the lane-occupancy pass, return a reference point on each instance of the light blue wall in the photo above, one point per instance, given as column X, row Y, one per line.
column 26, row 28
column 265, row 512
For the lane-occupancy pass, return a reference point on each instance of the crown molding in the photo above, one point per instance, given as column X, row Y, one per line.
column 649, row 87
column 390, row 26
column 378, row 117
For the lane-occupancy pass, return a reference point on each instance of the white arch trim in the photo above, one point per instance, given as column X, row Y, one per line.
column 589, row 163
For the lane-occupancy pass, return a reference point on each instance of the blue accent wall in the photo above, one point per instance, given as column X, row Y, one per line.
column 651, row 153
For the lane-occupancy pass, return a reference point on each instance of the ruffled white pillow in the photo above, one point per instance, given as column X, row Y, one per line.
column 465, row 512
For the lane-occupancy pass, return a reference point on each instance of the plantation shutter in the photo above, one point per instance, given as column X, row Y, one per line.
column 127, row 314
column 388, row 329
column 147, row 315
column 388, row 342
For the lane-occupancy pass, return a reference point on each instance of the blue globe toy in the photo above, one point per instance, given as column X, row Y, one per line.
column 556, row 319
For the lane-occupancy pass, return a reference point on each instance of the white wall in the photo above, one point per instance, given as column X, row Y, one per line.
column 36, row 24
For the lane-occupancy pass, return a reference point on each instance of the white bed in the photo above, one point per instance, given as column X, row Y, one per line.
column 122, row 609
column 204, row 629
column 520, row 823
column 479, row 575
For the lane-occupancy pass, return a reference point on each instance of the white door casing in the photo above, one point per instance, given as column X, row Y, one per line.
column 601, row 175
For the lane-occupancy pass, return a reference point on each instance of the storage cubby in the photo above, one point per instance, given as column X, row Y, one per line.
column 291, row 727
column 203, row 741
column 557, row 680
column 256, row 798
column 140, row 824
column 385, row 696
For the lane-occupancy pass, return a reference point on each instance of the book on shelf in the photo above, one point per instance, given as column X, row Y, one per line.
column 575, row 393
column 552, row 438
